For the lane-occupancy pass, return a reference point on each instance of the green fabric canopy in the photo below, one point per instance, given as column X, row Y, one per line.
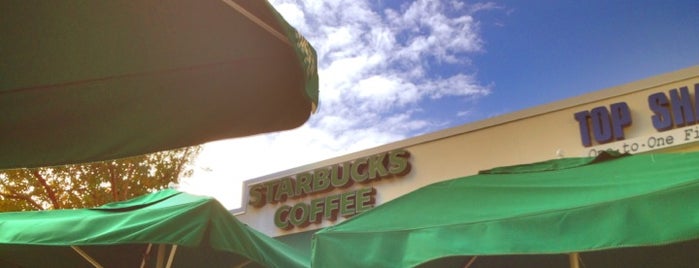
column 85, row 80
column 560, row 206
column 119, row 235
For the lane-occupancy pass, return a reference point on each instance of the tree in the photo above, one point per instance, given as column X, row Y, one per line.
column 93, row 184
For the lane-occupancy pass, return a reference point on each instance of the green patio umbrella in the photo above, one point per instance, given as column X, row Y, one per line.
column 163, row 229
column 607, row 211
column 85, row 80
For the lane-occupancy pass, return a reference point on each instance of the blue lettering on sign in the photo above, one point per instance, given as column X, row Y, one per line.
column 601, row 124
column 659, row 104
column 677, row 111
column 621, row 117
column 582, row 117
column 682, row 107
column 604, row 125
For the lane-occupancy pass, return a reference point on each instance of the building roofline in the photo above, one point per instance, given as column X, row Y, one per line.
column 596, row 96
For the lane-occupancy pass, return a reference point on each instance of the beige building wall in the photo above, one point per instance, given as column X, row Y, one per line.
column 536, row 134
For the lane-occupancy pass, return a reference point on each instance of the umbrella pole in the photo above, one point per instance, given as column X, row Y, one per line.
column 160, row 259
column 573, row 258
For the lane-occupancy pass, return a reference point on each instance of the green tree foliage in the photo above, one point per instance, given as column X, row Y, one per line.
column 93, row 184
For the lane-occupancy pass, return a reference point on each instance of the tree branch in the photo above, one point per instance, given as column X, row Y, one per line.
column 181, row 162
column 49, row 191
column 112, row 181
column 128, row 175
column 23, row 197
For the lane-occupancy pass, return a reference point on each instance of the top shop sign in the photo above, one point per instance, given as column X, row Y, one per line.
column 673, row 109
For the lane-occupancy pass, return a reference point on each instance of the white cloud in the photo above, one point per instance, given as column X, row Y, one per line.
column 464, row 113
column 457, row 85
column 377, row 65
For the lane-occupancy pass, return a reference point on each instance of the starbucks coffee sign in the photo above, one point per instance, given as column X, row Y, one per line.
column 320, row 182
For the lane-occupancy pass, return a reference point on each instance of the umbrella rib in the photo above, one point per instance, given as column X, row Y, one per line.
column 470, row 261
column 86, row 257
column 243, row 264
column 257, row 21
column 146, row 255
column 171, row 257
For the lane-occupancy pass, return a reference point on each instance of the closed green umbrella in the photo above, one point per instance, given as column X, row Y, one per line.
column 163, row 229
column 84, row 81
column 532, row 215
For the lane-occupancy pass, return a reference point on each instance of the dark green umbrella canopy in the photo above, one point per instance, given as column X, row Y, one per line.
column 83, row 81
column 599, row 206
column 128, row 233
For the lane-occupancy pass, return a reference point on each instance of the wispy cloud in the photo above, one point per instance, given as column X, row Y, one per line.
column 378, row 65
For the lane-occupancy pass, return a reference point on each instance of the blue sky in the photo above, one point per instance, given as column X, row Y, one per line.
column 543, row 51
column 390, row 70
